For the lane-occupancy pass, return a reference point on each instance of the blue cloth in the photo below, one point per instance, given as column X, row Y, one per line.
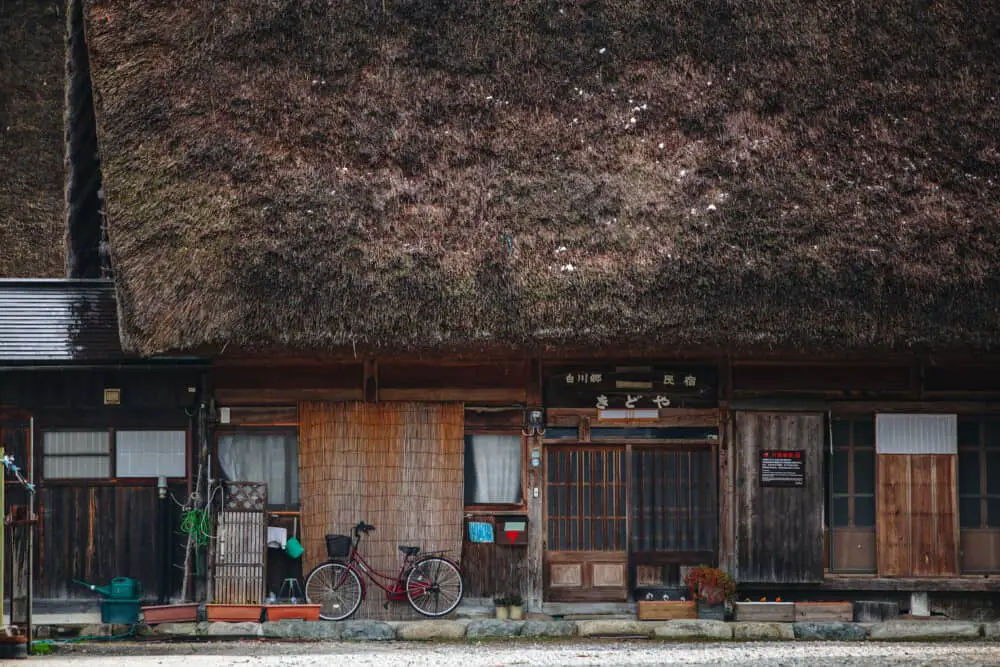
column 480, row 531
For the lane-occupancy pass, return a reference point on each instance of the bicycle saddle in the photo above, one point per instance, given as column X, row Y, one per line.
column 409, row 551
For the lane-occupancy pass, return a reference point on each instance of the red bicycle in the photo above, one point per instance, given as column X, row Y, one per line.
column 431, row 583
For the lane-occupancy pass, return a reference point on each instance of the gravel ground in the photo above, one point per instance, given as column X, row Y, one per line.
column 494, row 654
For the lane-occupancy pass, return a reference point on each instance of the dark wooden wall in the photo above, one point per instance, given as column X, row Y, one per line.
column 94, row 530
column 491, row 569
column 779, row 531
column 96, row 533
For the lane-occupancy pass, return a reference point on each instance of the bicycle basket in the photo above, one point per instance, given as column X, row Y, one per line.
column 338, row 546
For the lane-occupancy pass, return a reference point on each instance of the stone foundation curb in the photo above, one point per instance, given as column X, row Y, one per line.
column 302, row 630
column 830, row 631
column 694, row 630
column 926, row 630
column 763, row 631
column 616, row 628
column 536, row 628
column 220, row 629
column 429, row 630
column 493, row 628
column 367, row 631
column 459, row 629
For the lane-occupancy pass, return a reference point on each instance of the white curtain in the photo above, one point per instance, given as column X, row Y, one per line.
column 496, row 461
column 263, row 457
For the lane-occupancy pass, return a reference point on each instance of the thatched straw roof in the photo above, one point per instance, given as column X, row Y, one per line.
column 32, row 226
column 768, row 173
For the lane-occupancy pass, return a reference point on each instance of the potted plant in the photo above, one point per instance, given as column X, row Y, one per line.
column 500, row 607
column 711, row 588
column 515, row 607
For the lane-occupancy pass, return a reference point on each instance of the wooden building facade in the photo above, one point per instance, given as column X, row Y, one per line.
column 602, row 481
column 106, row 437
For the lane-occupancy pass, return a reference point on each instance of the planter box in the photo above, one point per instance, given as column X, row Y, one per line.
column 780, row 612
column 301, row 612
column 666, row 610
column 170, row 613
column 711, row 612
column 234, row 613
column 824, row 611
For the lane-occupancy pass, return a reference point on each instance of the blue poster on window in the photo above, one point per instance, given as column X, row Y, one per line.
column 481, row 532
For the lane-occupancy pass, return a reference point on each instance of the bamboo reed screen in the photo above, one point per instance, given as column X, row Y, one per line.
column 398, row 466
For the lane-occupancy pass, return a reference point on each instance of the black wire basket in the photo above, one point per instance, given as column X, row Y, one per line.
column 338, row 546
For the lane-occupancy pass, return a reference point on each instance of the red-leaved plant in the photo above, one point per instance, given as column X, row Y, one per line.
column 710, row 584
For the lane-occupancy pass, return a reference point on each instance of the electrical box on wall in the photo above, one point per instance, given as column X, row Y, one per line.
column 511, row 530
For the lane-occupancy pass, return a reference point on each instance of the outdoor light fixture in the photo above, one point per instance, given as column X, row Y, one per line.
column 161, row 486
column 536, row 424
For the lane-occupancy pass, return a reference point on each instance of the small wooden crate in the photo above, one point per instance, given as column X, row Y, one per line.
column 781, row 612
column 824, row 611
column 666, row 610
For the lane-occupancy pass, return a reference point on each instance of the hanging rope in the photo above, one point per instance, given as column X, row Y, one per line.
column 197, row 523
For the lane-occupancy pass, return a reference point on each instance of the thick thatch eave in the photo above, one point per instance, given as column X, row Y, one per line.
column 764, row 174
column 32, row 62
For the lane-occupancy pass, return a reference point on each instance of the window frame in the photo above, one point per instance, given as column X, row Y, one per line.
column 228, row 429
column 983, row 494
column 852, row 494
column 112, row 478
column 492, row 508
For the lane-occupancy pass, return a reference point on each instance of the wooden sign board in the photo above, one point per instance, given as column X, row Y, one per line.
column 631, row 387
column 783, row 468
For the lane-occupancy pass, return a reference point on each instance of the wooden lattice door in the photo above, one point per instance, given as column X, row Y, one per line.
column 586, row 542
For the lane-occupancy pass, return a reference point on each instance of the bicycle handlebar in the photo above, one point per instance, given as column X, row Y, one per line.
column 363, row 527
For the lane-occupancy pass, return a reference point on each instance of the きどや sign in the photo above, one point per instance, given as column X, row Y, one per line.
column 783, row 468
column 631, row 387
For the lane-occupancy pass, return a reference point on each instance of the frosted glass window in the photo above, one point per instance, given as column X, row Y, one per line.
column 916, row 434
column 77, row 455
column 151, row 453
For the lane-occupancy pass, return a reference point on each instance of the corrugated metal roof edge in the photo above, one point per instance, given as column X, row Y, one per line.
column 81, row 282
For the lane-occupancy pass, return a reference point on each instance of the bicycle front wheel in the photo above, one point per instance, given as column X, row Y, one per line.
column 434, row 586
column 336, row 588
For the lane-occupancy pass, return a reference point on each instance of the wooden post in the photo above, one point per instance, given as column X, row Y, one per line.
column 536, row 529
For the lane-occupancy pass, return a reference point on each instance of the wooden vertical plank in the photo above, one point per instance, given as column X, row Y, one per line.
column 923, row 558
column 892, row 522
column 946, row 508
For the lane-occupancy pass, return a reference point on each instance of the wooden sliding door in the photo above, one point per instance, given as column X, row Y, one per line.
column 651, row 507
column 586, row 555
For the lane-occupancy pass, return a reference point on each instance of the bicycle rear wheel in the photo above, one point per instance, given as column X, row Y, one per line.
column 336, row 588
column 434, row 586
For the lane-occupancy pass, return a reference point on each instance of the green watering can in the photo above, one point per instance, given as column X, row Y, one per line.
column 121, row 588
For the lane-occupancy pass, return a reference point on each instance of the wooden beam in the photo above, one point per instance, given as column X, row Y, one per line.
column 678, row 417
column 285, row 396
column 936, row 585
column 445, row 394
